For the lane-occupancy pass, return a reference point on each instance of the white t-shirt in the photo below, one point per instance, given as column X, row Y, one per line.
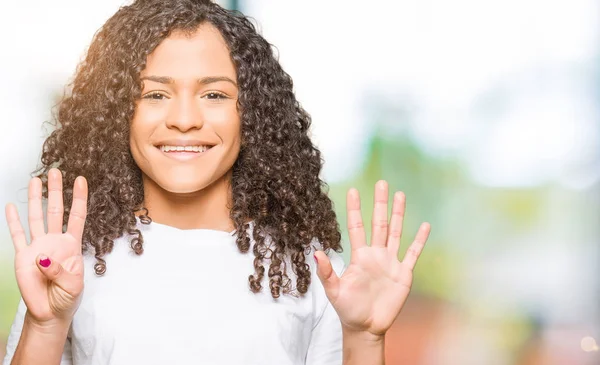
column 186, row 300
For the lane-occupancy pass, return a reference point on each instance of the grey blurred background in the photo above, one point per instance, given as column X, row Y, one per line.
column 486, row 113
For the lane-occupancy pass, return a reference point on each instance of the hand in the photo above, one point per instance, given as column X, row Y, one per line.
column 49, row 271
column 370, row 294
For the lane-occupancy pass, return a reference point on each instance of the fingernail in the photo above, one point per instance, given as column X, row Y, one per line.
column 316, row 259
column 44, row 261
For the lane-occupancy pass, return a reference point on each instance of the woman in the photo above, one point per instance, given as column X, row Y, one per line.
column 199, row 172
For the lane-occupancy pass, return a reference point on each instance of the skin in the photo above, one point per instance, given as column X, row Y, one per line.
column 374, row 287
column 189, row 94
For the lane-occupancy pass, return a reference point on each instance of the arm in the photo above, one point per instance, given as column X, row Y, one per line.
column 370, row 293
column 29, row 343
column 41, row 343
column 362, row 348
column 50, row 286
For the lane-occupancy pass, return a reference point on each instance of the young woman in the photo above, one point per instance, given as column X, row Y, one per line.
column 186, row 220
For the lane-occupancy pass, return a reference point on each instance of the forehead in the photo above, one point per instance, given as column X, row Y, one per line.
column 182, row 55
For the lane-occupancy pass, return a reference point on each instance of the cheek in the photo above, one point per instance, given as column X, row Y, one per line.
column 145, row 119
column 141, row 129
column 226, row 124
column 146, row 113
column 136, row 134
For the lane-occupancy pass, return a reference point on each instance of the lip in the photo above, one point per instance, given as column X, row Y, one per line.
column 184, row 142
column 183, row 155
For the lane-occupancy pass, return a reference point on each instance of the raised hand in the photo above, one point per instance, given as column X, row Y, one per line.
column 49, row 270
column 370, row 294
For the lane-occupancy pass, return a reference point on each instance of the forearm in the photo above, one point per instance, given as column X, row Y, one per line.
column 41, row 344
column 363, row 348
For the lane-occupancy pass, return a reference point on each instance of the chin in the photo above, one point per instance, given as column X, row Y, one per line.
column 183, row 187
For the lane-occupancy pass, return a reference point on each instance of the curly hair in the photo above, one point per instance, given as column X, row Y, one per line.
column 275, row 180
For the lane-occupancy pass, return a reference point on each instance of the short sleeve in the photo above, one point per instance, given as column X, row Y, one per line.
column 325, row 347
column 15, row 335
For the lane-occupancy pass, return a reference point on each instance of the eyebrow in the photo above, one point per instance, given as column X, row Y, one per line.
column 203, row 81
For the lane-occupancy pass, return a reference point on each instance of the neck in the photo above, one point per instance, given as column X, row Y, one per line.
column 204, row 209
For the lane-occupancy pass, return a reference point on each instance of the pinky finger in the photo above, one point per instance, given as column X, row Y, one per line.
column 15, row 227
column 415, row 249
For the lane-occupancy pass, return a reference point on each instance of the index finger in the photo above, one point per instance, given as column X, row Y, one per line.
column 15, row 227
column 78, row 208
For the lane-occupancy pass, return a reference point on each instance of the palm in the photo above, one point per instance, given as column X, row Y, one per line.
column 373, row 289
column 48, row 297
column 373, row 274
column 45, row 298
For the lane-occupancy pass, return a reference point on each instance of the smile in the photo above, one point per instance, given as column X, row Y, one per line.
column 184, row 148
column 184, row 153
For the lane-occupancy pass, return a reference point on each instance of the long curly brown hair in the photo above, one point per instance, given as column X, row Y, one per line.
column 275, row 180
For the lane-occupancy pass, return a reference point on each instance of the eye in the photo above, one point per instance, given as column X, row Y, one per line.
column 154, row 96
column 214, row 95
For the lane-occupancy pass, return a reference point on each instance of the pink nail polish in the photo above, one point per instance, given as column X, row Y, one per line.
column 44, row 261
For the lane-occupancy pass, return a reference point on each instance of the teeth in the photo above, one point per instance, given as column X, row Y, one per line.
column 184, row 148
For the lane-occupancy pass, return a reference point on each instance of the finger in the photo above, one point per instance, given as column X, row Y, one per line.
column 73, row 264
column 55, row 209
column 69, row 281
column 78, row 208
column 15, row 227
column 36, row 214
column 379, row 221
column 396, row 222
column 356, row 228
column 328, row 277
column 415, row 249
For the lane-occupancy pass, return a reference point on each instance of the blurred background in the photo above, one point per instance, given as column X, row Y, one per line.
column 486, row 113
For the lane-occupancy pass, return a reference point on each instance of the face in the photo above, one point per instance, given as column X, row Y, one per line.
column 185, row 134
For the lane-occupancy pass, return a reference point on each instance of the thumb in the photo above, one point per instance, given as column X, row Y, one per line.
column 328, row 277
column 69, row 281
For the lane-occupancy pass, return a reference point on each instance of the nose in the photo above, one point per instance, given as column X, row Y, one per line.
column 185, row 114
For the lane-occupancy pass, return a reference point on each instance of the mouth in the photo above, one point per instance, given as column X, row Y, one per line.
column 175, row 149
column 184, row 153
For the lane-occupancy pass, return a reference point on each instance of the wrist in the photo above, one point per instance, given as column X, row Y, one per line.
column 362, row 336
column 362, row 347
column 41, row 342
column 51, row 327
